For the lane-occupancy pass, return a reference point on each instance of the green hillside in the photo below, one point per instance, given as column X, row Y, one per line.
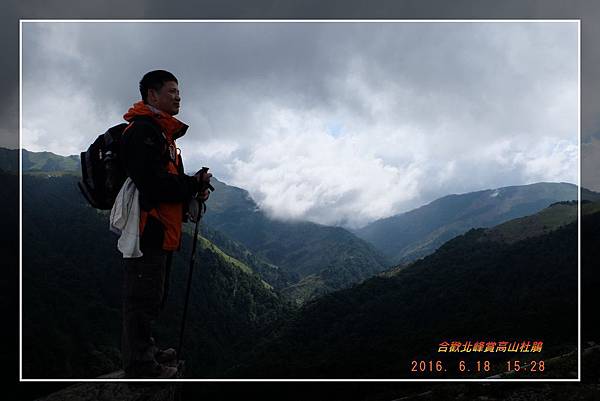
column 314, row 259
column 71, row 293
column 547, row 220
column 553, row 217
column 47, row 162
column 473, row 287
column 515, row 279
column 417, row 233
column 270, row 273
column 43, row 163
column 282, row 253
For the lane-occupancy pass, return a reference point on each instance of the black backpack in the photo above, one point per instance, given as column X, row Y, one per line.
column 102, row 172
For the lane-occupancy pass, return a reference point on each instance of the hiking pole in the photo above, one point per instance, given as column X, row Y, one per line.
column 201, row 211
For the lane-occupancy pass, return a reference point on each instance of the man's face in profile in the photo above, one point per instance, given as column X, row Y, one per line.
column 167, row 98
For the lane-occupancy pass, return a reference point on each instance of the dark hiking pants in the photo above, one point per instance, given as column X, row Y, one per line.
column 144, row 291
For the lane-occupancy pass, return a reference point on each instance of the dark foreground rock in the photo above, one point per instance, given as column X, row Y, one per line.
column 122, row 391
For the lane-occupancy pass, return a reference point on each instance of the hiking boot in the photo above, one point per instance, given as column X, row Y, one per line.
column 166, row 355
column 151, row 370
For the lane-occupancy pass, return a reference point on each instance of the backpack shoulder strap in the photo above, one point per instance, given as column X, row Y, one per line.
column 148, row 121
column 156, row 131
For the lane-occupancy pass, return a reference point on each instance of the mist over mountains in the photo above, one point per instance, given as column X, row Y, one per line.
column 270, row 295
column 311, row 260
column 316, row 259
column 419, row 232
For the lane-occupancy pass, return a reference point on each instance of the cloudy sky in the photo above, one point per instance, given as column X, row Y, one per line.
column 337, row 123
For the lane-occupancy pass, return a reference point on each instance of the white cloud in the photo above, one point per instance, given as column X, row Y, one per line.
column 62, row 118
column 297, row 170
column 335, row 123
column 553, row 161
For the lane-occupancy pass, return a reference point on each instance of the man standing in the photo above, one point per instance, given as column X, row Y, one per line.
column 153, row 161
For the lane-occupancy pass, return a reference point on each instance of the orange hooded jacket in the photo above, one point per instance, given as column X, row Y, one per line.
column 155, row 166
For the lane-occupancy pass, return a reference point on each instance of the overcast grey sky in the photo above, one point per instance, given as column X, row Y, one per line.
column 338, row 123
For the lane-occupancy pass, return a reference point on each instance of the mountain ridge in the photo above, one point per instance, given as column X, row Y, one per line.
column 346, row 317
column 333, row 255
column 473, row 287
column 306, row 260
column 417, row 233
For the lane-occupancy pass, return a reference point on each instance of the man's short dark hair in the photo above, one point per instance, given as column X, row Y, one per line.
column 155, row 80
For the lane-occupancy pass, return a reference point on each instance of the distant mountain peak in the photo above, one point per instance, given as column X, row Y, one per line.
column 419, row 232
